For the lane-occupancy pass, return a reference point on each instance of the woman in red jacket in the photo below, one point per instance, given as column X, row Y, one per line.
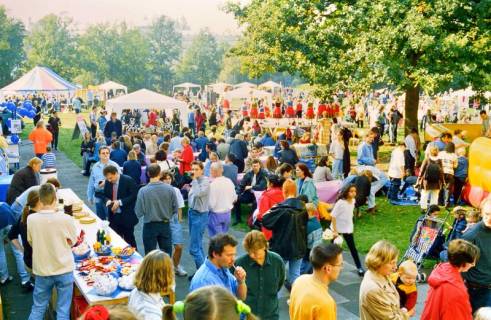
column 270, row 197
column 187, row 156
column 448, row 298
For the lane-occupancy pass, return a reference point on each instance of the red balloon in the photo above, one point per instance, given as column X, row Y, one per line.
column 475, row 196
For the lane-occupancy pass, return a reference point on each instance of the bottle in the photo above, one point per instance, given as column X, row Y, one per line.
column 98, row 236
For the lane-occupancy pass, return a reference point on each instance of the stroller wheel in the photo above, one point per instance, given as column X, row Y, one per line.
column 421, row 277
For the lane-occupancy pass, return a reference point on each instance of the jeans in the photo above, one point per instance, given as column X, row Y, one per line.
column 157, row 232
column 42, row 295
column 479, row 297
column 218, row 223
column 17, row 209
column 376, row 185
column 459, row 184
column 244, row 198
column 54, row 143
column 393, row 132
column 19, row 259
column 294, row 266
column 100, row 208
column 337, row 169
column 395, row 185
column 198, row 221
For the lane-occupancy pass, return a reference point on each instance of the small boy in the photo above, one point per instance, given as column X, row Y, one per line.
column 49, row 159
column 314, row 236
column 405, row 282
column 471, row 217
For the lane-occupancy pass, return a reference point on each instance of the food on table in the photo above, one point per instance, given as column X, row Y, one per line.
column 103, row 236
column 87, row 220
column 81, row 249
column 127, row 282
column 77, row 206
column 80, row 214
column 101, row 249
column 126, row 252
column 95, row 264
column 105, row 284
column 116, row 250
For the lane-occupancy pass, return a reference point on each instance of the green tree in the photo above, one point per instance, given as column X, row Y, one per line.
column 165, row 40
column 115, row 53
column 11, row 52
column 202, row 61
column 412, row 45
column 52, row 43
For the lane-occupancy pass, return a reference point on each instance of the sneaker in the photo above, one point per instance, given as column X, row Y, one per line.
column 190, row 278
column 6, row 280
column 28, row 285
column 180, row 271
column 361, row 272
column 82, row 172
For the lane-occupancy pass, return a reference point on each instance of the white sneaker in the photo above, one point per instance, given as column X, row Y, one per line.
column 180, row 271
column 82, row 172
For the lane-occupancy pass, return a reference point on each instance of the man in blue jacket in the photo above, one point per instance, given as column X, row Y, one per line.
column 118, row 155
column 365, row 152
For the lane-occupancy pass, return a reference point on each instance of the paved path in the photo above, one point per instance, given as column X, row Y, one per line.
column 17, row 303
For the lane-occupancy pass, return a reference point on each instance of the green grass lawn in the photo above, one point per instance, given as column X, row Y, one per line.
column 393, row 223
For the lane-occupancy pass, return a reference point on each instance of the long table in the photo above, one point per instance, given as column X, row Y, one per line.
column 88, row 293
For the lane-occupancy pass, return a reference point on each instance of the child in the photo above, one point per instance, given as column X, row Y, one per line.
column 471, row 217
column 342, row 222
column 433, row 211
column 314, row 236
column 49, row 159
column 405, row 282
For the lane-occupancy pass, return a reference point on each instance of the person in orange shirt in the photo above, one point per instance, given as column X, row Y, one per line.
column 40, row 137
column 310, row 298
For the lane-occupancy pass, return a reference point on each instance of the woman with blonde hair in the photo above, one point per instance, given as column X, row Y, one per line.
column 154, row 277
column 209, row 303
column 379, row 298
column 288, row 223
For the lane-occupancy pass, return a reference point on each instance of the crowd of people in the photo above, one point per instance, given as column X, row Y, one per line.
column 220, row 168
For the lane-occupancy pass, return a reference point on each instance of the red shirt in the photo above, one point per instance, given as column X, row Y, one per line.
column 268, row 199
column 186, row 158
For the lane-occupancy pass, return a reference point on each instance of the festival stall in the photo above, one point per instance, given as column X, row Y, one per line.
column 39, row 79
column 271, row 86
column 144, row 99
column 220, row 87
column 245, row 85
column 112, row 89
column 187, row 88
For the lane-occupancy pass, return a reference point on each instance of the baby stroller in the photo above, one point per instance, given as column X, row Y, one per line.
column 426, row 242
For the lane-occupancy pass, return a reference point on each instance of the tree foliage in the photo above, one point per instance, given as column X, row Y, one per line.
column 11, row 50
column 165, row 40
column 52, row 43
column 412, row 45
column 202, row 61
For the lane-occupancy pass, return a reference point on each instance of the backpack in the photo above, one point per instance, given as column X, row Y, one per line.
column 433, row 172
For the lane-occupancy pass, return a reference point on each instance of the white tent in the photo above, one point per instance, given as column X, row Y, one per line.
column 245, row 85
column 270, row 85
column 240, row 95
column 111, row 85
column 220, row 87
column 146, row 99
column 186, row 86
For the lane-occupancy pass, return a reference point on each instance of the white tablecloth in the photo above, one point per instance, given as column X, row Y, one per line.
column 69, row 196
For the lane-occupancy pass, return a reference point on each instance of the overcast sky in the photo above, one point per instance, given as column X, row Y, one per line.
column 198, row 13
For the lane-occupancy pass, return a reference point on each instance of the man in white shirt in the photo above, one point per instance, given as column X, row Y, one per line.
column 396, row 170
column 51, row 235
column 222, row 198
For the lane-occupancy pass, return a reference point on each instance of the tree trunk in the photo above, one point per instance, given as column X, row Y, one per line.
column 411, row 105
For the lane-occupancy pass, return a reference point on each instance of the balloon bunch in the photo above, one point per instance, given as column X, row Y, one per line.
column 26, row 110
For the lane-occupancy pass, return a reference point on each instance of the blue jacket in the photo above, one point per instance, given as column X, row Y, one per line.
column 132, row 168
column 239, row 149
column 119, row 156
column 308, row 188
column 365, row 155
column 267, row 141
column 231, row 171
column 462, row 168
column 111, row 127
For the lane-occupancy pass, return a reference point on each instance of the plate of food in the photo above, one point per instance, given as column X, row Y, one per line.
column 80, row 214
column 87, row 220
column 105, row 285
column 127, row 282
column 102, row 250
column 81, row 252
column 124, row 253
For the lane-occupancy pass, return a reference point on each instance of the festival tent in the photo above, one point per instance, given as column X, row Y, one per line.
column 245, row 85
column 220, row 87
column 40, row 79
column 271, row 85
column 111, row 85
column 147, row 99
column 238, row 96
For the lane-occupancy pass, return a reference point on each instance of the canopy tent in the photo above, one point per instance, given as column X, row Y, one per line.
column 147, row 99
column 270, row 85
column 220, row 87
column 40, row 79
column 238, row 96
column 114, row 86
column 245, row 85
